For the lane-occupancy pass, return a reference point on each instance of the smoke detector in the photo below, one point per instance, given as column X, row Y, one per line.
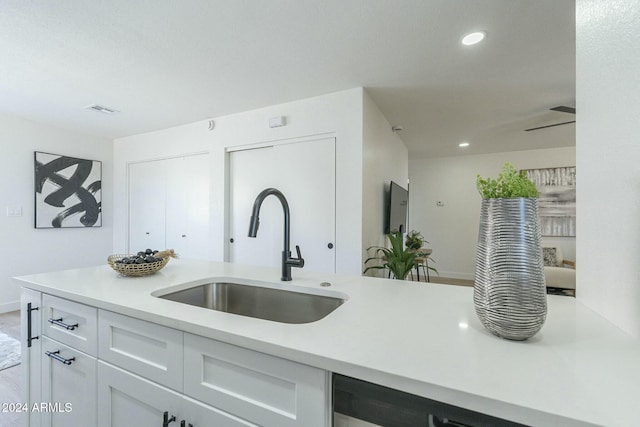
column 101, row 109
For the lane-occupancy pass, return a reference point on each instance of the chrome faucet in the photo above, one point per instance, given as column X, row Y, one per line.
column 287, row 260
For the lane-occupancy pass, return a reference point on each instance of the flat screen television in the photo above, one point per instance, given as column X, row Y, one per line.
column 396, row 218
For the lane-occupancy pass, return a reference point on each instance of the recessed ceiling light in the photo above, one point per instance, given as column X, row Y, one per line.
column 463, row 144
column 473, row 38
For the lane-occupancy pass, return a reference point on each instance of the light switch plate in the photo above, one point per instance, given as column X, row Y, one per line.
column 14, row 211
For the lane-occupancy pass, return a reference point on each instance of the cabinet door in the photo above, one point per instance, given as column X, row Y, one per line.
column 30, row 320
column 187, row 205
column 68, row 386
column 127, row 400
column 305, row 173
column 197, row 414
column 147, row 198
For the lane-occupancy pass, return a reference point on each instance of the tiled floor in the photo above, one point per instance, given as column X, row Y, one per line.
column 10, row 379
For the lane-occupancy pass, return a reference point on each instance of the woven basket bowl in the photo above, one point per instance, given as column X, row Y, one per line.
column 135, row 269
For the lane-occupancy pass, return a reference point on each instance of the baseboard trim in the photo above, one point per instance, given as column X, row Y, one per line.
column 9, row 306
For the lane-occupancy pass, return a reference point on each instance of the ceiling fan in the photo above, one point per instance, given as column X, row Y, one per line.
column 562, row 109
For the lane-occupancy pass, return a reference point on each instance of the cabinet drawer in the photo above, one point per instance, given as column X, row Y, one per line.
column 266, row 390
column 70, row 323
column 149, row 350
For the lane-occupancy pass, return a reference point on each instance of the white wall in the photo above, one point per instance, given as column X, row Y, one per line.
column 608, row 129
column 24, row 249
column 385, row 159
column 338, row 114
column 452, row 230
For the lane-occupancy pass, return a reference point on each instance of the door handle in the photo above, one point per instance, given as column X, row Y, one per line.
column 330, row 245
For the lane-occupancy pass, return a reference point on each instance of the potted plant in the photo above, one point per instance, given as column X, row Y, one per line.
column 509, row 291
column 414, row 240
column 397, row 259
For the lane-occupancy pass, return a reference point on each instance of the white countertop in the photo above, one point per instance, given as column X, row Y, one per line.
column 420, row 338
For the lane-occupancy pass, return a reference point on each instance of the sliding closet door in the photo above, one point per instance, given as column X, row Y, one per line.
column 305, row 173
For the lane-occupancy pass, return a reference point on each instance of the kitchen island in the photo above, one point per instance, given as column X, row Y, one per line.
column 419, row 338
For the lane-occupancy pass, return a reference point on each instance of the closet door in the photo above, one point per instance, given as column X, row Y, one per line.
column 147, row 200
column 305, row 173
column 169, row 205
column 187, row 205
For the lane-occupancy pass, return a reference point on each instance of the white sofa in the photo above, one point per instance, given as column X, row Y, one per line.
column 558, row 272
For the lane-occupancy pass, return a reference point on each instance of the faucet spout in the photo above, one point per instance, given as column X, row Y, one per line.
column 254, row 224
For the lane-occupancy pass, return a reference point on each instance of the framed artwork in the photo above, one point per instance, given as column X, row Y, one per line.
column 557, row 203
column 67, row 191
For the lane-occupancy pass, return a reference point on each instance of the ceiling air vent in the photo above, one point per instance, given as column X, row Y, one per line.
column 101, row 109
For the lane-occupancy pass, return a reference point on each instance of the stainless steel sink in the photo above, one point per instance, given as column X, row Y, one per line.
column 278, row 305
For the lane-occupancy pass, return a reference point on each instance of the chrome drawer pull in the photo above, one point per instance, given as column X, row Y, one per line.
column 56, row 355
column 63, row 325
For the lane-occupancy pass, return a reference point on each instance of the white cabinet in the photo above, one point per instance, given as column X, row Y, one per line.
column 68, row 385
column 30, row 334
column 215, row 379
column 150, row 350
column 128, row 400
column 59, row 360
column 264, row 389
column 95, row 367
column 169, row 205
column 70, row 323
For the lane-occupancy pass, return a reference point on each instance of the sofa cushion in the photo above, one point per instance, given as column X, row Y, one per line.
column 559, row 277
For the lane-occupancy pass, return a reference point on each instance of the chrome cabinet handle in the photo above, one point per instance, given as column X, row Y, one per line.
column 59, row 322
column 29, row 337
column 56, row 355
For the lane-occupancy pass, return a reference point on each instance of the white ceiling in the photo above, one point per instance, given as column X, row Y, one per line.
column 164, row 63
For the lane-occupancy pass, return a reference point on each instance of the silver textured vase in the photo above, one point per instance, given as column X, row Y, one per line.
column 509, row 293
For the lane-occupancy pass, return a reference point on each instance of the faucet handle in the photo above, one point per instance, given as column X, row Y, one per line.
column 300, row 259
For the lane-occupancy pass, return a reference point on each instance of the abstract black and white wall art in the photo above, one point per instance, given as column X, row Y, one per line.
column 557, row 203
column 67, row 191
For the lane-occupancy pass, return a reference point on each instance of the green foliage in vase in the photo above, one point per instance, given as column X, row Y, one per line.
column 509, row 184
